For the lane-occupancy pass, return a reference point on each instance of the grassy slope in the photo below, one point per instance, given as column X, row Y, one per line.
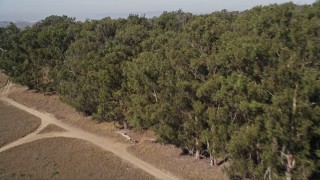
column 62, row 158
column 14, row 123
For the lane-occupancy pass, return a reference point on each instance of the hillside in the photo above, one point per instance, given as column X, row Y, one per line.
column 19, row 24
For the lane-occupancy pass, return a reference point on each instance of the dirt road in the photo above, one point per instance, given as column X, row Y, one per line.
column 105, row 143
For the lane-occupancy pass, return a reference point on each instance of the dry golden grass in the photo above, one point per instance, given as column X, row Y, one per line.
column 62, row 158
column 168, row 157
column 15, row 123
column 62, row 111
column 51, row 128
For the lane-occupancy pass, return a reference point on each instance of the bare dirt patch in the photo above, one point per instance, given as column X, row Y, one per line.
column 15, row 123
column 168, row 157
column 51, row 128
column 62, row 158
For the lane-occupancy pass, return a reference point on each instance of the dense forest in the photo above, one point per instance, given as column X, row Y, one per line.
column 239, row 86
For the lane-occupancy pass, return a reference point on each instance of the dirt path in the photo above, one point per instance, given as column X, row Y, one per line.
column 105, row 143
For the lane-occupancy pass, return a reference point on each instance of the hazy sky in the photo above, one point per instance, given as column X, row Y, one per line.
column 34, row 10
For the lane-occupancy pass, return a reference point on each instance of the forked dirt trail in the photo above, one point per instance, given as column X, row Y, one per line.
column 105, row 143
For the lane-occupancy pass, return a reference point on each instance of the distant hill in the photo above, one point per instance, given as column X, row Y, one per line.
column 19, row 24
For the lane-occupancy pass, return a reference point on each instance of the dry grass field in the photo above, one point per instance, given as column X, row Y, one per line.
column 15, row 123
column 62, row 111
column 51, row 128
column 62, row 158
column 168, row 157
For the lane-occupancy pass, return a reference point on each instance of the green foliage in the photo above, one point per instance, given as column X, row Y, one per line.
column 35, row 55
column 242, row 86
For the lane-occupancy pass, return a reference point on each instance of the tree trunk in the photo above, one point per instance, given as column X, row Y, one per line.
column 288, row 176
column 125, row 125
column 290, row 166
column 294, row 100
column 155, row 95
column 124, row 134
column 123, row 112
column 268, row 174
column 197, row 155
column 211, row 161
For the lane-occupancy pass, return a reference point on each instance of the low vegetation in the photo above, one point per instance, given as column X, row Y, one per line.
column 51, row 128
column 76, row 159
column 238, row 86
column 15, row 124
